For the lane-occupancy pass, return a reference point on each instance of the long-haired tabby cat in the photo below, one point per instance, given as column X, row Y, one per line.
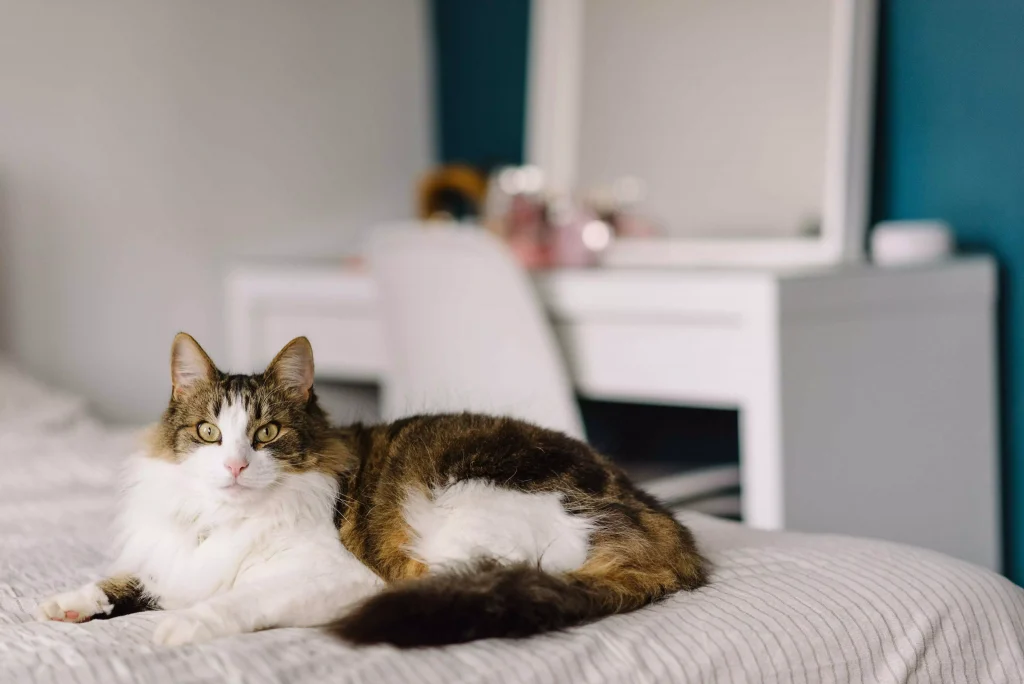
column 247, row 510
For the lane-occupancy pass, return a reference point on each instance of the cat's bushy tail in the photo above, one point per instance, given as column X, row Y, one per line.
column 488, row 600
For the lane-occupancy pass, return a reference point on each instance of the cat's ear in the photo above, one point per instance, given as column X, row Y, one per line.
column 293, row 367
column 189, row 364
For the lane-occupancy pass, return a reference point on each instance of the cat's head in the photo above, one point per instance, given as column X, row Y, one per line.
column 239, row 434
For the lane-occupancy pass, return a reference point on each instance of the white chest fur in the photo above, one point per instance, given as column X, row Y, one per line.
column 187, row 543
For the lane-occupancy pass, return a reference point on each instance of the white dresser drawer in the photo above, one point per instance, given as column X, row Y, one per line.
column 700, row 364
column 345, row 347
column 335, row 309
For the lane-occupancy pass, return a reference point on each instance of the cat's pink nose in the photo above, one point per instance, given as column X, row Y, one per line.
column 236, row 467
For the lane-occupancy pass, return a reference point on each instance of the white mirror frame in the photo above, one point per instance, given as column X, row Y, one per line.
column 552, row 131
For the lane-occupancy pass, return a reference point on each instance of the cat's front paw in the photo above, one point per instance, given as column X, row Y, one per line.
column 74, row 606
column 190, row 626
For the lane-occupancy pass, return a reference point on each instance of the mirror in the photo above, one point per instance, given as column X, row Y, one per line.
column 744, row 123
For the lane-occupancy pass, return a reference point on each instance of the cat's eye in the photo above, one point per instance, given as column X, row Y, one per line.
column 208, row 432
column 267, row 433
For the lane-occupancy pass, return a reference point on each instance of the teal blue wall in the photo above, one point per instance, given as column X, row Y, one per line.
column 480, row 50
column 951, row 145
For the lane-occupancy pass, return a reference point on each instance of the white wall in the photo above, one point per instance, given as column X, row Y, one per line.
column 146, row 143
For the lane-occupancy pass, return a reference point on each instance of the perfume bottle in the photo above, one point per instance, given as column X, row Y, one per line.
column 578, row 234
column 515, row 211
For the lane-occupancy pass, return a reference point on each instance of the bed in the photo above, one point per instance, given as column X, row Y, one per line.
column 780, row 607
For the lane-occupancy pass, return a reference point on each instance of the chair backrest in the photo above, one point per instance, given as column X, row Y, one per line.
column 465, row 330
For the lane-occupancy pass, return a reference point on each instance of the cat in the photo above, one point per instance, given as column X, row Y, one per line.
column 247, row 510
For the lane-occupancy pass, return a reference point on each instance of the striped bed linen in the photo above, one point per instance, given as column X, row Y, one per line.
column 780, row 607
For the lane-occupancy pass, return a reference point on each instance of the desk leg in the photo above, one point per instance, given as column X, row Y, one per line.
column 761, row 478
column 761, row 427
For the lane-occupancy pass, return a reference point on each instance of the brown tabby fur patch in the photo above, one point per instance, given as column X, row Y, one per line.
column 126, row 594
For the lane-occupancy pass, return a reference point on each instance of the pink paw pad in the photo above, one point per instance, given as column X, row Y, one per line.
column 71, row 614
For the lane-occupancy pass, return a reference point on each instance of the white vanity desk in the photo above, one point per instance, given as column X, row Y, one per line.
column 867, row 397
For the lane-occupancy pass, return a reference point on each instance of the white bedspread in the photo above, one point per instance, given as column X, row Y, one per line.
column 780, row 607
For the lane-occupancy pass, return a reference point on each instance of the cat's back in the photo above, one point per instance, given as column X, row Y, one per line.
column 428, row 457
column 438, row 449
